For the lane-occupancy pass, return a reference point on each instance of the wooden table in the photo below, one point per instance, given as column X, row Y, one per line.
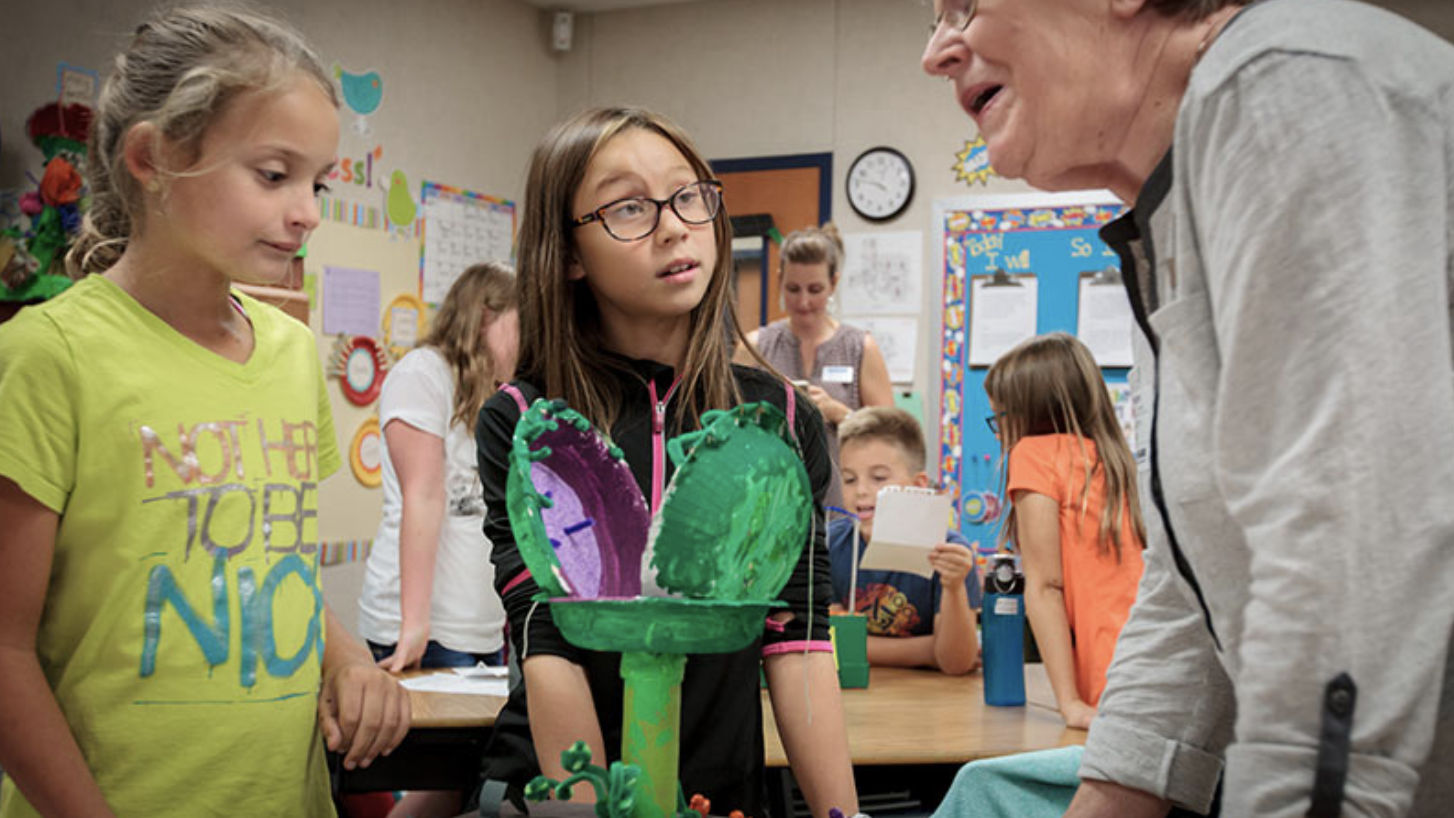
column 913, row 728
column 925, row 717
column 447, row 735
column 903, row 717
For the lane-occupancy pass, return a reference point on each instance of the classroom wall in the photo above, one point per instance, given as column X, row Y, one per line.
column 469, row 85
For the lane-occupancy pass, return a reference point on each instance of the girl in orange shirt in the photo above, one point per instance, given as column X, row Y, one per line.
column 1074, row 515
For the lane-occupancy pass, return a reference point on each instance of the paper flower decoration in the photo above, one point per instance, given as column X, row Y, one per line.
column 700, row 576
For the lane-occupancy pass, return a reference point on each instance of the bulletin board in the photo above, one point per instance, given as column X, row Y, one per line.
column 1050, row 236
column 348, row 509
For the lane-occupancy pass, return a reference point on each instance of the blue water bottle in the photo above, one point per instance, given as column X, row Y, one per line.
column 1004, row 634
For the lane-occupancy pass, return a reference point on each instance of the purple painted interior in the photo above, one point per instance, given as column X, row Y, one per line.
column 602, row 558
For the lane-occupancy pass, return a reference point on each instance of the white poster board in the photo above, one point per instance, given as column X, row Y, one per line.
column 897, row 339
column 882, row 273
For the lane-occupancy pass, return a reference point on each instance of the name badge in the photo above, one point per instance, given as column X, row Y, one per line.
column 837, row 374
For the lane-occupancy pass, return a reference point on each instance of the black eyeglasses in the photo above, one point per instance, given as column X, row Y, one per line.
column 993, row 421
column 637, row 217
column 957, row 13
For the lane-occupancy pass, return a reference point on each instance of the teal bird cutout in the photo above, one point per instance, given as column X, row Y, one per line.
column 362, row 92
column 400, row 204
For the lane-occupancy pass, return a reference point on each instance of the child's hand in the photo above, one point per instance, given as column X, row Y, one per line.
column 363, row 711
column 1078, row 714
column 836, row 608
column 408, row 651
column 953, row 562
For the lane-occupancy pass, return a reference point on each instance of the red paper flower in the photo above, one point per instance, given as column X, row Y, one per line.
column 61, row 184
column 69, row 121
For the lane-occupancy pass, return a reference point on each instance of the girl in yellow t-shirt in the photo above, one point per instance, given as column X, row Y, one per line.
column 1075, row 516
column 164, row 646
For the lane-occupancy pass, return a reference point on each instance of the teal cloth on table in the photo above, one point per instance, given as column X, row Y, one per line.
column 1026, row 785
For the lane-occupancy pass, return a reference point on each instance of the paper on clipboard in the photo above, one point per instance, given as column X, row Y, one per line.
column 1104, row 319
column 907, row 524
column 1003, row 311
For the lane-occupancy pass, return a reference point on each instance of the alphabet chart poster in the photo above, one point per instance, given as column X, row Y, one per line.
column 1055, row 238
column 461, row 228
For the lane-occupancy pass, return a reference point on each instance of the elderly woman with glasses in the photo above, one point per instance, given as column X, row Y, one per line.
column 1288, row 258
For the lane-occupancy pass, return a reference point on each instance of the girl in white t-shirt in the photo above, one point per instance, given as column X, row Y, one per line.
column 428, row 597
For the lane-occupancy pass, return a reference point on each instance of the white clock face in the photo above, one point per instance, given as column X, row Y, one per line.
column 880, row 183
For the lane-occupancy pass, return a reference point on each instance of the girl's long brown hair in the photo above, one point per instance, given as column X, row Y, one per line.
column 455, row 332
column 563, row 350
column 1050, row 384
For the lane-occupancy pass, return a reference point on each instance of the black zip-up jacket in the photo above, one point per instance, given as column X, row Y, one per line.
column 721, row 720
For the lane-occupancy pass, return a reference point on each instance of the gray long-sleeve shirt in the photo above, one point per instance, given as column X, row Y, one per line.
column 1296, row 276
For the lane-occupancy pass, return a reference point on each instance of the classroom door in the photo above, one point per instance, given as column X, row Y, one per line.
column 796, row 191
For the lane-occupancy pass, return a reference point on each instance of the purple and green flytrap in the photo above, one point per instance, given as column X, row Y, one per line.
column 699, row 576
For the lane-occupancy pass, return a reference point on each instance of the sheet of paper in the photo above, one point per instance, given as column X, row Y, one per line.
column 907, row 524
column 1000, row 316
column 1103, row 321
column 350, row 301
column 898, row 339
column 482, row 671
column 882, row 273
column 454, row 683
column 403, row 327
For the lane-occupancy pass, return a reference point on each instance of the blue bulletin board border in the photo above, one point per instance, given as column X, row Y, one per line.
column 971, row 228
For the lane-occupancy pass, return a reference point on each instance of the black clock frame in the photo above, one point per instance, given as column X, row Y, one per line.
column 913, row 183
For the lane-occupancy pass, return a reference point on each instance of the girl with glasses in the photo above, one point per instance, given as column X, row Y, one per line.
column 624, row 282
column 1074, row 515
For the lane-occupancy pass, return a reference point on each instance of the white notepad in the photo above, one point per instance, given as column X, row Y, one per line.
column 907, row 524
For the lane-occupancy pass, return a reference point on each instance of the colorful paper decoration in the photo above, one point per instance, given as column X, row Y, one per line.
column 405, row 322
column 359, row 364
column 365, row 454
column 399, row 203
column 35, row 270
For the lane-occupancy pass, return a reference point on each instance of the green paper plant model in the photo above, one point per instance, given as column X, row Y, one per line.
column 700, row 576
column 615, row 788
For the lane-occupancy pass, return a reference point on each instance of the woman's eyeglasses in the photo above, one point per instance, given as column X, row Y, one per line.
column 954, row 13
column 637, row 217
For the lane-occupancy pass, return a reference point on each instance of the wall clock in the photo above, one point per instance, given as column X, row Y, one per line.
column 880, row 183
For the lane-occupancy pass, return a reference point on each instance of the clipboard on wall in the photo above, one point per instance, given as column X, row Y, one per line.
column 1103, row 317
column 1002, row 313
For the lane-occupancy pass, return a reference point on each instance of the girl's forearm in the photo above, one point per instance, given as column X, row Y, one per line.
column 956, row 643
column 421, row 519
column 1045, row 606
column 37, row 748
column 562, row 712
column 817, row 748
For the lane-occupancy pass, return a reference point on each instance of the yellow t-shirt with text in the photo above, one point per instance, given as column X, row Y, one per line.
column 183, row 626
